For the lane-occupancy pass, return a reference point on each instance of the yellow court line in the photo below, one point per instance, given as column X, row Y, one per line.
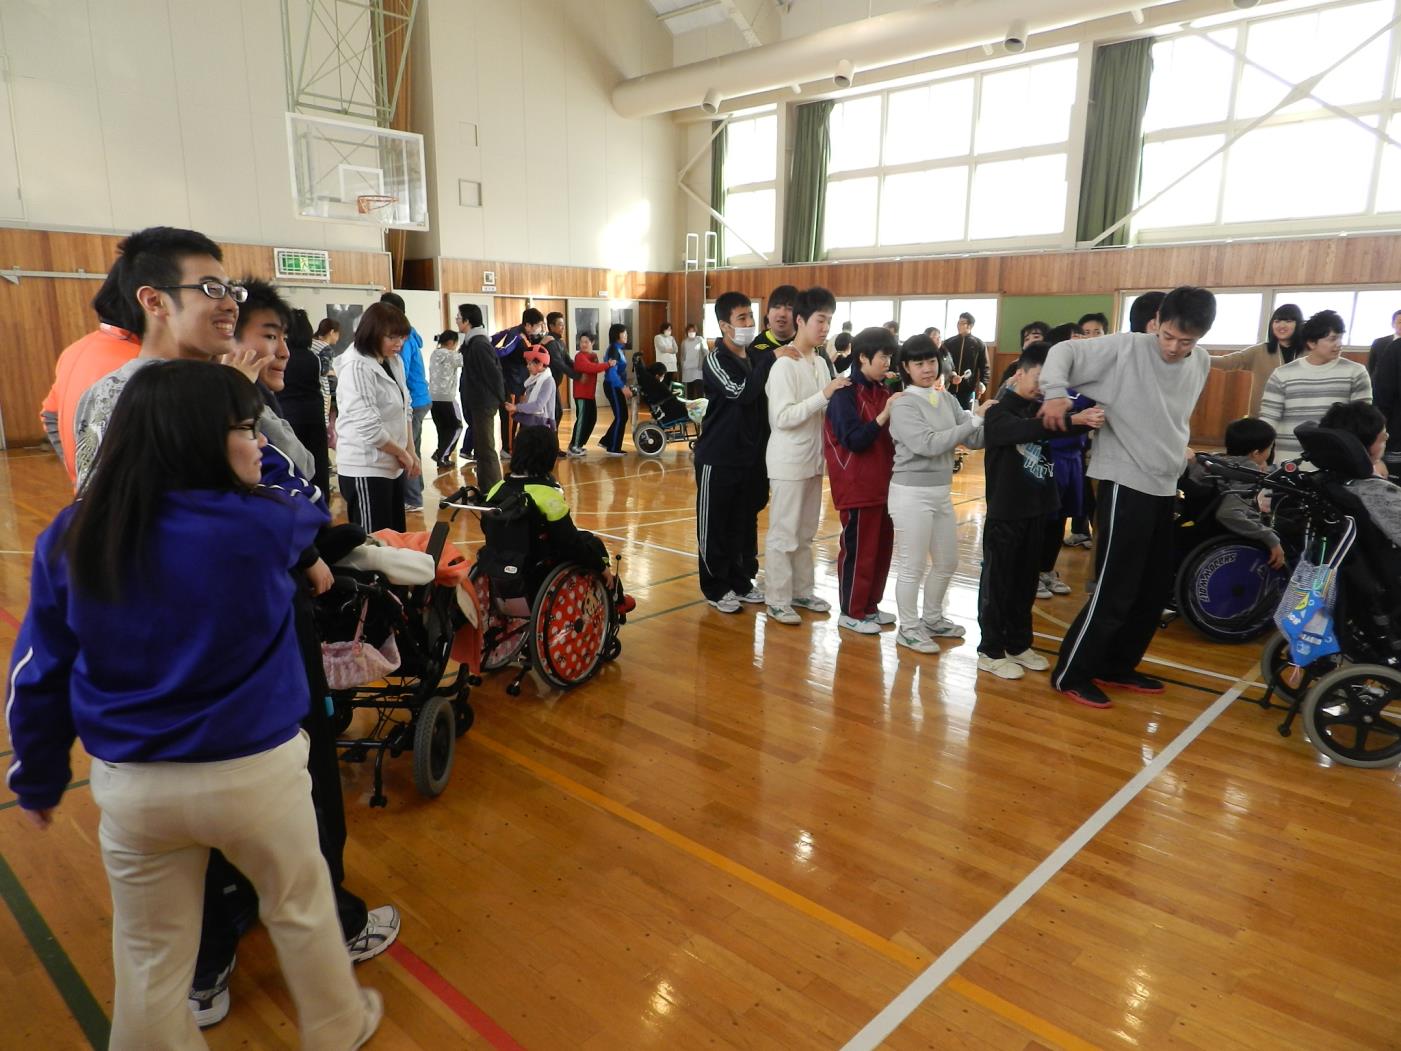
column 907, row 958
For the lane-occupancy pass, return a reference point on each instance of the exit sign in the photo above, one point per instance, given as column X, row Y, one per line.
column 302, row 264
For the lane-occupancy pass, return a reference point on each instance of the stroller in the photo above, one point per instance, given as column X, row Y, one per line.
column 365, row 608
column 1347, row 686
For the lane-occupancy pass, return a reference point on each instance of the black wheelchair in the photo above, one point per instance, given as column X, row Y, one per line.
column 560, row 619
column 651, row 436
column 1350, row 701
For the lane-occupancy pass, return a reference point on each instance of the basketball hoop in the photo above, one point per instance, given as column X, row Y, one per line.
column 373, row 202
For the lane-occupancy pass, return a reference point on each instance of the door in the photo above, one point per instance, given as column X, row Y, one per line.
column 590, row 317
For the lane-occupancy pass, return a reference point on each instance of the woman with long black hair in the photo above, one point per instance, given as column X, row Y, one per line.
column 1281, row 347
column 160, row 632
column 615, row 387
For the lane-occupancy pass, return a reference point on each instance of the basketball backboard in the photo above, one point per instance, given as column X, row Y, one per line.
column 347, row 172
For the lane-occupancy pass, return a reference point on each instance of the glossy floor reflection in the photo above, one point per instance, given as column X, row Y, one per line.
column 748, row 835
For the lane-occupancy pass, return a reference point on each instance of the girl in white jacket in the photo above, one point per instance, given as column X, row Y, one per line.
column 374, row 453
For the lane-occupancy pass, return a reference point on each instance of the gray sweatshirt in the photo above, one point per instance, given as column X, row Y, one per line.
column 1147, row 403
column 926, row 425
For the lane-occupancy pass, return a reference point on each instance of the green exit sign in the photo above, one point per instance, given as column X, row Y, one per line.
column 302, row 264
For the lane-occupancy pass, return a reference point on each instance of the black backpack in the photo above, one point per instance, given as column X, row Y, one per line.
column 508, row 530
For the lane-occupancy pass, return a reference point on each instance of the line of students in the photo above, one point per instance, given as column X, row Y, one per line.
column 890, row 457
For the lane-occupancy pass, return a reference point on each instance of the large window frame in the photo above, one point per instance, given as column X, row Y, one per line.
column 736, row 252
column 1382, row 110
column 1072, row 147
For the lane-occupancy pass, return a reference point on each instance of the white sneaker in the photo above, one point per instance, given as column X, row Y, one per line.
column 863, row 626
column 381, row 928
column 912, row 640
column 726, row 603
column 1002, row 667
column 1042, row 591
column 883, row 618
column 943, row 628
column 785, row 615
column 1077, row 540
column 753, row 595
column 610, row 452
column 211, row 1006
column 1030, row 660
column 1053, row 583
column 814, row 604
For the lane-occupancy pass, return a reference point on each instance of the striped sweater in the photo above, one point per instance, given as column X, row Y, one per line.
column 1301, row 393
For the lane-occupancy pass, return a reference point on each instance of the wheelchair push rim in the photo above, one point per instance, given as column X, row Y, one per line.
column 570, row 625
column 1353, row 715
column 1227, row 590
column 649, row 439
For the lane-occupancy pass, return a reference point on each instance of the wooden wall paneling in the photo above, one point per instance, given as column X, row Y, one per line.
column 1226, row 397
column 533, row 279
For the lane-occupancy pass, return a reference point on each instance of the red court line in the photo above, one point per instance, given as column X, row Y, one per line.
column 8, row 618
column 456, row 1002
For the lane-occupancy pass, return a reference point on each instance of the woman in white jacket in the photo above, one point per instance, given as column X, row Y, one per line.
column 664, row 347
column 374, row 453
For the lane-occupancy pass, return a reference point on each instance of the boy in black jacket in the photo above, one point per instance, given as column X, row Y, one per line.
column 1021, row 494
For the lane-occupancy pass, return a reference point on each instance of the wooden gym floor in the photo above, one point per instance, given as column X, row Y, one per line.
column 746, row 835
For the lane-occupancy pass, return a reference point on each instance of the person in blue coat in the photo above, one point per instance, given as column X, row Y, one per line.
column 160, row 632
column 615, row 388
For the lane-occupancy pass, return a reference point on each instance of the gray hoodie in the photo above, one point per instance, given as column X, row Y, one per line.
column 1147, row 405
column 926, row 425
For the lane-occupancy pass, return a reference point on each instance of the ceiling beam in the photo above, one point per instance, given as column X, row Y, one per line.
column 689, row 9
column 742, row 22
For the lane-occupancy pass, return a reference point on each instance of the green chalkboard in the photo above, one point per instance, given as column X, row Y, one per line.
column 1016, row 311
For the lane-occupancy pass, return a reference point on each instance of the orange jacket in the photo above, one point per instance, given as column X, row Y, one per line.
column 80, row 366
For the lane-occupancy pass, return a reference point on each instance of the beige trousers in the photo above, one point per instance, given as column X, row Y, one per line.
column 158, row 822
column 794, row 510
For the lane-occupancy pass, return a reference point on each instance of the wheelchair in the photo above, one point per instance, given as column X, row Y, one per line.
column 561, row 621
column 650, row 437
column 1349, row 701
column 423, row 621
column 1224, row 585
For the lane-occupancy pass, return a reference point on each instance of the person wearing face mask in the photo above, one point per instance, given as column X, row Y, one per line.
column 1261, row 360
column 731, row 483
column 692, row 357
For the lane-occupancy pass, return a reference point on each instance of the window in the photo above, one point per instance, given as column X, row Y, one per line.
column 916, row 315
column 1239, row 319
column 862, row 313
column 710, row 328
column 983, row 157
column 751, row 188
column 1306, row 165
column 1366, row 312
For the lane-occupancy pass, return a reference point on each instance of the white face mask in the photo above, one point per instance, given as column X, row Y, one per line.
column 745, row 336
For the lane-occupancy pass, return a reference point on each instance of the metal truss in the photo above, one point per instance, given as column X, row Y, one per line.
column 338, row 55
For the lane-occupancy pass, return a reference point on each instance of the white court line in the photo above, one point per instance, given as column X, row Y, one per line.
column 16, row 552
column 645, row 544
column 957, row 954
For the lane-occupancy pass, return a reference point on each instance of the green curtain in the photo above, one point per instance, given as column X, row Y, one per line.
column 1114, row 138
column 717, row 187
column 807, row 186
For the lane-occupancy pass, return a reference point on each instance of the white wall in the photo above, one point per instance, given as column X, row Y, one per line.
column 130, row 113
column 565, row 180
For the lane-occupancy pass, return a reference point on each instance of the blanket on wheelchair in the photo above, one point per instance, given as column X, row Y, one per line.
column 453, row 570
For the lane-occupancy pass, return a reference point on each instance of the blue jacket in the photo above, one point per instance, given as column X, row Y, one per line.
column 617, row 374
column 198, row 661
column 414, row 373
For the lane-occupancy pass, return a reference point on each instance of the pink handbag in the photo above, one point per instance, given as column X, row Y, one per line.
column 355, row 663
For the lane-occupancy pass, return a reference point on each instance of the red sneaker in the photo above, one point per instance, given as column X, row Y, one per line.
column 1131, row 681
column 627, row 604
column 1086, row 693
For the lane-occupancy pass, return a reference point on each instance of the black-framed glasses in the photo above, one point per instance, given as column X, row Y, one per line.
column 213, row 289
column 250, row 429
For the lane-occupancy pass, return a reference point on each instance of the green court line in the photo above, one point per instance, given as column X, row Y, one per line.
column 81, row 1003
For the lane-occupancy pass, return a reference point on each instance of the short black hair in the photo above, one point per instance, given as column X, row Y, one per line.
column 965, row 316
column 1061, row 333
column 111, row 307
column 657, row 369
column 1360, row 418
column 1039, row 326
column 1095, row 316
column 153, row 256
column 872, row 341
column 664, row 326
column 931, row 329
column 470, row 313
column 728, row 303
column 448, row 335
column 782, row 296
column 394, row 299
column 1395, row 314
column 299, row 335
column 261, row 296
column 917, row 348
column 1247, row 435
column 842, row 342
column 553, row 316
column 531, row 316
column 1144, row 310
column 1191, row 308
column 813, row 300
column 614, row 331
column 1033, row 355
column 534, row 451
column 1321, row 325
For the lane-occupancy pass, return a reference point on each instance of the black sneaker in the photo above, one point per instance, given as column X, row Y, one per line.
column 211, row 1005
column 1086, row 693
column 1131, row 681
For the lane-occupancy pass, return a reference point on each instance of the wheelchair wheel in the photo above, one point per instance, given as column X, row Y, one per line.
column 1227, row 590
column 433, row 738
column 502, row 636
column 569, row 625
column 649, row 438
column 341, row 711
column 1353, row 715
column 1277, row 668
